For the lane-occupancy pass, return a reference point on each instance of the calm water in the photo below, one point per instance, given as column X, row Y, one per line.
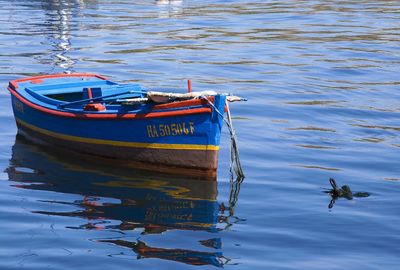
column 322, row 79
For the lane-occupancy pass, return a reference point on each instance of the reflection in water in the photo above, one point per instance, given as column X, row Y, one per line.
column 169, row 8
column 59, row 24
column 179, row 255
column 114, row 197
column 230, row 218
column 322, row 81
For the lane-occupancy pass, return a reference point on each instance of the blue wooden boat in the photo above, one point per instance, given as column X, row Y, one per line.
column 90, row 114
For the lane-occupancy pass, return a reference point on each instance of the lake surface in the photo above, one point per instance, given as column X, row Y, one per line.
column 322, row 79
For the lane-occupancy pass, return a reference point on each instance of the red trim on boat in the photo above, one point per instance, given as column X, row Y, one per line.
column 189, row 86
column 14, row 84
column 89, row 91
column 120, row 116
column 97, row 107
column 185, row 103
column 37, row 81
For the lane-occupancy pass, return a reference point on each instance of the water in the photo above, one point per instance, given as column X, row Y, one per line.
column 322, row 82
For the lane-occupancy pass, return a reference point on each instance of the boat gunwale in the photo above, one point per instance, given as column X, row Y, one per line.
column 184, row 105
column 14, row 83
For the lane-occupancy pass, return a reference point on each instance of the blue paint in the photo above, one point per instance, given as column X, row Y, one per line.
column 96, row 93
column 207, row 128
column 322, row 78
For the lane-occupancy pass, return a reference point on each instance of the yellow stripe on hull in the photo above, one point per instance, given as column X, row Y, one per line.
column 119, row 143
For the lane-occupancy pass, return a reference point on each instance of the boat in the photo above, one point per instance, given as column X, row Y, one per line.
column 90, row 114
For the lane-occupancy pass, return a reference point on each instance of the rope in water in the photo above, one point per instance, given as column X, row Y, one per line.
column 234, row 151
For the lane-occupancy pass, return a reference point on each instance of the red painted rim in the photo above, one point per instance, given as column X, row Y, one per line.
column 13, row 86
column 117, row 116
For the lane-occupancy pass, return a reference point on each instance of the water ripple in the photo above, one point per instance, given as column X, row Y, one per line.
column 322, row 82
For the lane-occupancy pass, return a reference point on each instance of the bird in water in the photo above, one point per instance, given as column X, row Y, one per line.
column 342, row 192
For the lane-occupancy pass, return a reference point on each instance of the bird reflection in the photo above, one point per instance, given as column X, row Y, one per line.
column 113, row 197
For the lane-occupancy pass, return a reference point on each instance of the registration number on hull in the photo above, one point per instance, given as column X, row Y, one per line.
column 175, row 129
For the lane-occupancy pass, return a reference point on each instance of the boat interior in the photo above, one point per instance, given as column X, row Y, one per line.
column 75, row 93
column 83, row 93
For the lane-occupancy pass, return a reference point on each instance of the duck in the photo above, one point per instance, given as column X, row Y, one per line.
column 342, row 192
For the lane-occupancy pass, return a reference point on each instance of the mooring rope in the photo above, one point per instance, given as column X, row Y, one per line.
column 234, row 193
column 235, row 164
column 162, row 97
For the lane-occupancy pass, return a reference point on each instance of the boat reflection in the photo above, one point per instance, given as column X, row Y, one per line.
column 114, row 197
column 179, row 255
column 137, row 198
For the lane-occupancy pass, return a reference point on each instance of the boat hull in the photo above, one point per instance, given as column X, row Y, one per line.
column 185, row 158
column 180, row 137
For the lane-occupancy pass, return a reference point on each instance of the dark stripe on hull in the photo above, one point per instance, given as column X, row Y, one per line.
column 198, row 162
